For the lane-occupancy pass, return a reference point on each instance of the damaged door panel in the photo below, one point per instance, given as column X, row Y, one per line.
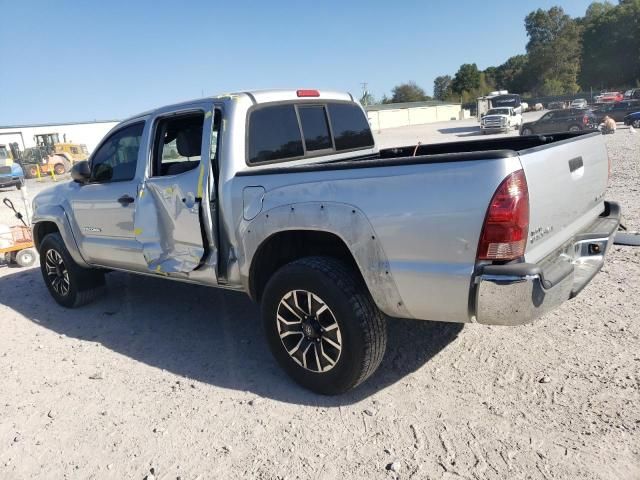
column 168, row 219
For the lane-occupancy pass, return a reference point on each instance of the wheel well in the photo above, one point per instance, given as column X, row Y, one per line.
column 285, row 247
column 42, row 229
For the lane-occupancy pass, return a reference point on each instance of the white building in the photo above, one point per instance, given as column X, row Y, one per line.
column 392, row 115
column 88, row 133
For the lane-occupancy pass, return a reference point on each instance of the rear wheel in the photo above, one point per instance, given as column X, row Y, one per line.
column 32, row 171
column 636, row 123
column 59, row 169
column 69, row 284
column 574, row 128
column 322, row 325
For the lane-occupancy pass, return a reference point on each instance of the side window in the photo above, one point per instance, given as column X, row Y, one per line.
column 546, row 117
column 117, row 158
column 315, row 127
column 178, row 144
column 350, row 126
column 274, row 134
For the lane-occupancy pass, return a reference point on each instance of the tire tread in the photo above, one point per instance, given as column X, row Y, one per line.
column 371, row 320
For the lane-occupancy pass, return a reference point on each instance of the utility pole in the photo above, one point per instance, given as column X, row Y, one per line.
column 365, row 94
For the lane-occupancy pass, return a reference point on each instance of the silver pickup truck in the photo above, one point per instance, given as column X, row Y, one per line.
column 284, row 195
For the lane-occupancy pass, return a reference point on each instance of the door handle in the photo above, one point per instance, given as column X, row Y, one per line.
column 125, row 200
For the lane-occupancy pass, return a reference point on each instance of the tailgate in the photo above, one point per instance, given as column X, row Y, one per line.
column 567, row 181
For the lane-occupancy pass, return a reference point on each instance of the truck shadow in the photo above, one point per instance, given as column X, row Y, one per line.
column 470, row 130
column 206, row 334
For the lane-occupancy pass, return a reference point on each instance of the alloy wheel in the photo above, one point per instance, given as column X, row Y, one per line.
column 57, row 273
column 309, row 331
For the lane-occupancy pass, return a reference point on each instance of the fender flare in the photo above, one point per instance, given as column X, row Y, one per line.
column 57, row 215
column 345, row 221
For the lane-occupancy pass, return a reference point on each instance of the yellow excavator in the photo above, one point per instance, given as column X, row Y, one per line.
column 50, row 154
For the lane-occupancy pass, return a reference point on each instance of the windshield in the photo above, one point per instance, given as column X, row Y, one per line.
column 498, row 111
column 3, row 152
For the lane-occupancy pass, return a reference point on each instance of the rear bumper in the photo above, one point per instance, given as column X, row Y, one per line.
column 518, row 293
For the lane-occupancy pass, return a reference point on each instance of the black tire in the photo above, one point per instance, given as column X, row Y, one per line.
column 526, row 131
column 83, row 284
column 575, row 128
column 361, row 325
column 59, row 169
column 635, row 124
column 26, row 257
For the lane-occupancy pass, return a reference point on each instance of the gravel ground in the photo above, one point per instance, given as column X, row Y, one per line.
column 140, row 381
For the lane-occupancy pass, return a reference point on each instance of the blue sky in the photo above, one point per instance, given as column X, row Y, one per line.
column 74, row 61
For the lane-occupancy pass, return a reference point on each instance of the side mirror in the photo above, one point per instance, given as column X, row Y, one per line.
column 80, row 172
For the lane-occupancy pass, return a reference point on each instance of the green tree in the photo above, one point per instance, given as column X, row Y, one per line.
column 511, row 75
column 490, row 78
column 442, row 87
column 408, row 92
column 551, row 86
column 554, row 49
column 466, row 79
column 611, row 45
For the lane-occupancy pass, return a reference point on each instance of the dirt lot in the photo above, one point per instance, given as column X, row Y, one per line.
column 178, row 378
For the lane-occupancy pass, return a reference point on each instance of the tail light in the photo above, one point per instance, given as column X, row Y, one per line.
column 505, row 229
column 585, row 120
column 308, row 93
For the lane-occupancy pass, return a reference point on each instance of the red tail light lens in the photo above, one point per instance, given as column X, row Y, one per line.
column 308, row 93
column 585, row 120
column 505, row 229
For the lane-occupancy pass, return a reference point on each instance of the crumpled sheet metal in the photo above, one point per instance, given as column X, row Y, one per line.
column 163, row 224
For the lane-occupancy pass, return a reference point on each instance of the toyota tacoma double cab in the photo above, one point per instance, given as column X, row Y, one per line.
column 283, row 195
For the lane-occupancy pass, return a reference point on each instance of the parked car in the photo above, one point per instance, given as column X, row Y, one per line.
column 567, row 120
column 501, row 119
column 11, row 176
column 617, row 110
column 556, row 105
column 609, row 97
column 284, row 195
column 634, row 93
column 633, row 119
column 579, row 103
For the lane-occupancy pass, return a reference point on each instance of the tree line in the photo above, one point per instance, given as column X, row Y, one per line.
column 564, row 55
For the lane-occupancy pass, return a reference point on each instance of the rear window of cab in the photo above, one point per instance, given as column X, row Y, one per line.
column 292, row 131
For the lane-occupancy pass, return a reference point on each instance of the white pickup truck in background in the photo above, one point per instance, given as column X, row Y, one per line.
column 500, row 120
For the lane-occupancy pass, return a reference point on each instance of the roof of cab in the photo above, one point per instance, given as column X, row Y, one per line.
column 257, row 96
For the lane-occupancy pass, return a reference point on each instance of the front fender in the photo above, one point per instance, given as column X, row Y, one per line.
column 57, row 215
column 346, row 222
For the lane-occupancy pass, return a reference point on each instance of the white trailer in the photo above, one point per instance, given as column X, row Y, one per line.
column 497, row 99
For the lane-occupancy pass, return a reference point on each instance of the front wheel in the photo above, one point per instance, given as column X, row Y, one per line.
column 68, row 283
column 59, row 169
column 636, row 123
column 526, row 131
column 322, row 325
column 574, row 128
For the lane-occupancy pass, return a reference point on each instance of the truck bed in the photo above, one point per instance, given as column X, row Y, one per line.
column 427, row 209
